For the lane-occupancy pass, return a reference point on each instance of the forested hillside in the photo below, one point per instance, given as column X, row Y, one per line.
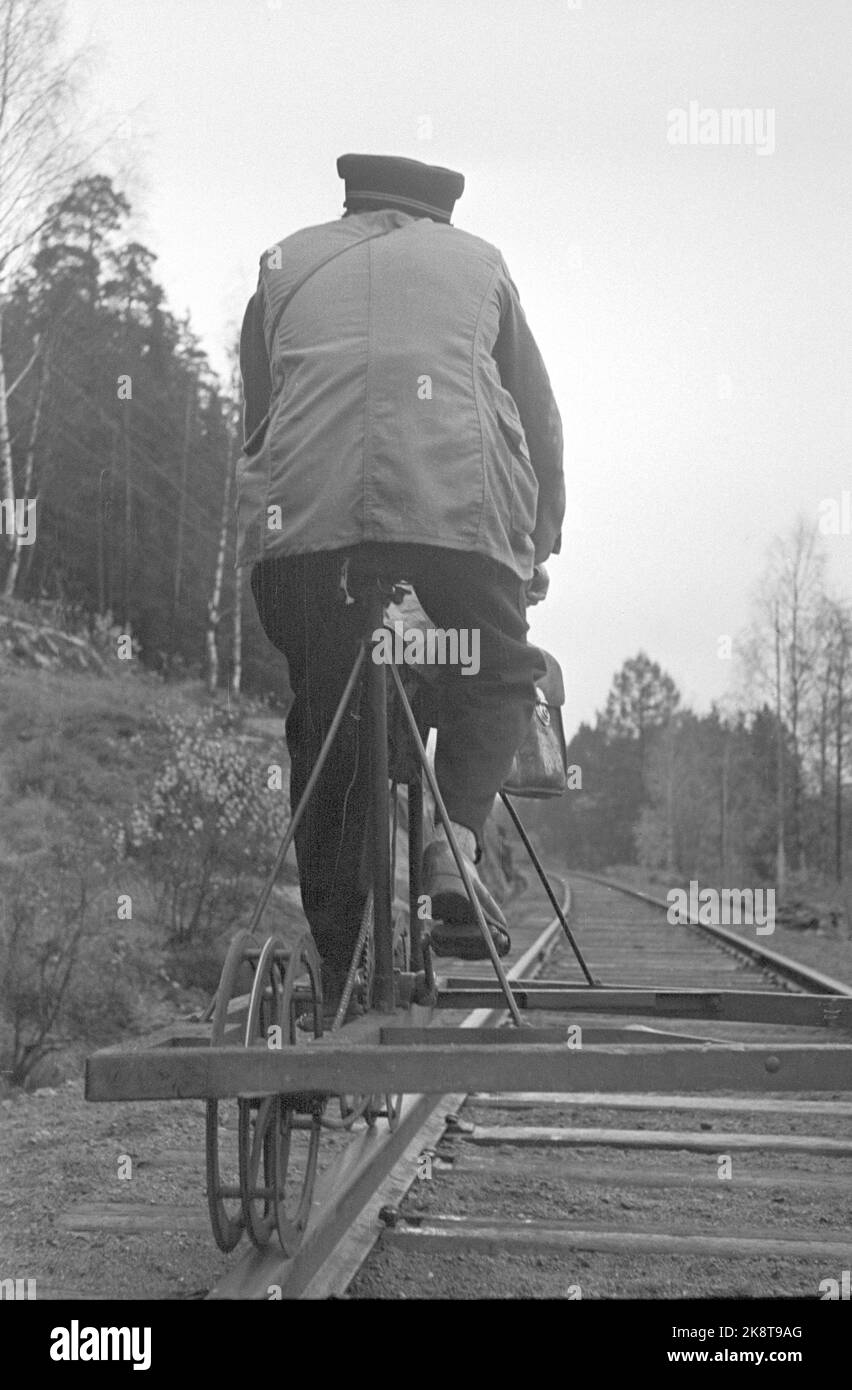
column 754, row 793
column 120, row 442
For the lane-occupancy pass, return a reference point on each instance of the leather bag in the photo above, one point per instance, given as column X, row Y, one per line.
column 540, row 769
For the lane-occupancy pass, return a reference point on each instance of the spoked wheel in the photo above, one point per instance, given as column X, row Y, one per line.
column 279, row 1135
column 224, row 1199
column 295, row 1150
column 284, row 1141
column 265, row 1013
column 296, row 1120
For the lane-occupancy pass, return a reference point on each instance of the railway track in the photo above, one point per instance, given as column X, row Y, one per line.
column 648, row 1196
column 570, row 1195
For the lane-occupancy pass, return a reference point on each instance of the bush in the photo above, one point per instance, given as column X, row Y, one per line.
column 209, row 825
column 65, row 969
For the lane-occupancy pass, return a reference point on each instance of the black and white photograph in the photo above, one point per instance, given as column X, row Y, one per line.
column 425, row 682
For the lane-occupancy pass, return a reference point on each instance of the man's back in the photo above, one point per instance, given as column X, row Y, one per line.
column 388, row 417
column 395, row 396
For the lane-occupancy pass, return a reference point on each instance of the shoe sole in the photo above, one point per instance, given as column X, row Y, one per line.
column 468, row 945
column 451, row 905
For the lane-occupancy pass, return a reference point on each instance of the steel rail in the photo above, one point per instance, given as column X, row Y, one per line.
column 375, row 1166
column 802, row 975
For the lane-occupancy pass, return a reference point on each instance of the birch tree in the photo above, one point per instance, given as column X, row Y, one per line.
column 779, row 659
column 840, row 703
column 37, row 155
column 214, row 606
column 16, row 539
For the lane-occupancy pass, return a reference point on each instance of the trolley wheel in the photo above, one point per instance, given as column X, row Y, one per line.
column 265, row 1011
column 231, row 1005
column 280, row 1200
column 279, row 1135
column 292, row 1195
column 296, row 1120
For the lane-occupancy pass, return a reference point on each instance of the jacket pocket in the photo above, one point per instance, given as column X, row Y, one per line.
column 524, row 481
column 252, row 489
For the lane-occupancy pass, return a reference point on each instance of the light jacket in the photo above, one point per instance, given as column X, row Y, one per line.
column 398, row 395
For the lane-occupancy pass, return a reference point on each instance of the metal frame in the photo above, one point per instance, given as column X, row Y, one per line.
column 220, row 1072
column 364, row 1056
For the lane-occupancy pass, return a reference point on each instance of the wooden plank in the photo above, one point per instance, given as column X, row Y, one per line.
column 183, row 1073
column 480, row 982
column 732, row 1006
column 478, row 1164
column 445, row 982
column 526, row 1037
column 698, row 1141
column 620, row 965
column 532, row 1100
column 133, row 1218
column 494, row 1236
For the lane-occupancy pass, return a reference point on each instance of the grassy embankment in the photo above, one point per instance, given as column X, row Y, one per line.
column 78, row 750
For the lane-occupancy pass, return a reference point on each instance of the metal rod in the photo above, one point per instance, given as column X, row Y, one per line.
column 519, row 826
column 365, row 927
column 296, row 817
column 260, row 905
column 415, row 869
column 394, row 828
column 457, row 854
column 377, row 695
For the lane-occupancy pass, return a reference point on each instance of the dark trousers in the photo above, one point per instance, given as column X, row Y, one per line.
column 481, row 718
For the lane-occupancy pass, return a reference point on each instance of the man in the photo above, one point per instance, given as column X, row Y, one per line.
column 396, row 404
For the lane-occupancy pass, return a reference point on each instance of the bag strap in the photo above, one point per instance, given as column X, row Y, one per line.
column 350, row 246
column 256, row 436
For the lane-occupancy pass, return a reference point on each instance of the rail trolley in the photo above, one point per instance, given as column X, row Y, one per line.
column 262, row 1049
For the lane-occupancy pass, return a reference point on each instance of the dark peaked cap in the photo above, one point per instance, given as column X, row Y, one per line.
column 384, row 179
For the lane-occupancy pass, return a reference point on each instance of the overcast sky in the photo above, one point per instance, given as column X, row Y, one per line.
column 691, row 300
